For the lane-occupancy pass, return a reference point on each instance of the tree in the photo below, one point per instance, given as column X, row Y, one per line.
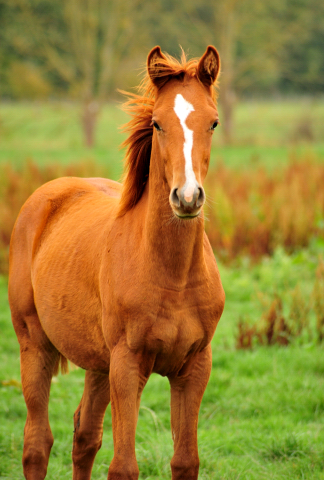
column 264, row 46
column 79, row 43
column 83, row 47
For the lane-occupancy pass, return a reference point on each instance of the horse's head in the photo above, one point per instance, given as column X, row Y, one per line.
column 184, row 118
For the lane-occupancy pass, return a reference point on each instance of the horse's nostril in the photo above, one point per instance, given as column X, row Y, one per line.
column 201, row 197
column 174, row 197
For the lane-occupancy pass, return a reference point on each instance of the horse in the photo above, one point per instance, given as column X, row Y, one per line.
column 121, row 280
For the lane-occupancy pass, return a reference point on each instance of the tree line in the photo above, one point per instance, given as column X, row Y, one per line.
column 86, row 49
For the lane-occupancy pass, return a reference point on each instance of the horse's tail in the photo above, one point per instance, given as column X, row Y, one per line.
column 63, row 363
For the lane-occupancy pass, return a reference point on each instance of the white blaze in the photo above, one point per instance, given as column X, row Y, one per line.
column 182, row 109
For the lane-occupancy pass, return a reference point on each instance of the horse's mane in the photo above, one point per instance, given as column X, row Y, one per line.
column 140, row 128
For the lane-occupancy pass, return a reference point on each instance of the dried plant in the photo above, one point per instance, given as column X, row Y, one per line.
column 274, row 328
column 250, row 213
column 246, row 335
column 318, row 299
column 299, row 313
column 255, row 212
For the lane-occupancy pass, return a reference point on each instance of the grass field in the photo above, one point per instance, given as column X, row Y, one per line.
column 266, row 133
column 262, row 415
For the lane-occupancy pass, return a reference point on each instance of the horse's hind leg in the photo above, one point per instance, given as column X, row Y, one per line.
column 88, row 421
column 38, row 360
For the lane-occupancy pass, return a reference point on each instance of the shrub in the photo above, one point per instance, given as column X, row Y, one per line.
column 318, row 300
column 277, row 328
column 255, row 212
column 249, row 213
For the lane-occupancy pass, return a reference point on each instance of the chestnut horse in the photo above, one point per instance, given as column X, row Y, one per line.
column 121, row 279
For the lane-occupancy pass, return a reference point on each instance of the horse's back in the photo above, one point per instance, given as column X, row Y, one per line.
column 109, row 187
column 57, row 196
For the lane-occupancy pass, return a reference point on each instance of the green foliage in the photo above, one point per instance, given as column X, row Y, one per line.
column 88, row 48
column 77, row 45
column 25, row 80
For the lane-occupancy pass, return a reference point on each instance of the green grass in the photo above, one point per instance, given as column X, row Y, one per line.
column 262, row 415
column 51, row 133
column 265, row 132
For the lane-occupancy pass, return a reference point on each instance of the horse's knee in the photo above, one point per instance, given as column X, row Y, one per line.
column 85, row 448
column 185, row 467
column 121, row 470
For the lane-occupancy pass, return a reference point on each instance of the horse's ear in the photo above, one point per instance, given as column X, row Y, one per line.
column 208, row 67
column 156, row 67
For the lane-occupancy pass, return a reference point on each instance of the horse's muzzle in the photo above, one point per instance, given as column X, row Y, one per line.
column 187, row 206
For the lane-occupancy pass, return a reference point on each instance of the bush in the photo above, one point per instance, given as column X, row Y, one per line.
column 250, row 213
column 253, row 213
column 278, row 328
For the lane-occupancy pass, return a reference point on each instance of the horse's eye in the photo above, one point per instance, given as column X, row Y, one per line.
column 214, row 125
column 156, row 126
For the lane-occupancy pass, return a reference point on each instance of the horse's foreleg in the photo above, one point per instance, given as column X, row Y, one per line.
column 128, row 376
column 187, row 391
column 88, row 421
column 38, row 358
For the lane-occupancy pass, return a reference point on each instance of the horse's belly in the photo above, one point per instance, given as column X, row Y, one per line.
column 65, row 283
column 73, row 326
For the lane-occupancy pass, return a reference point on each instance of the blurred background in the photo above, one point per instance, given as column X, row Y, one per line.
column 83, row 50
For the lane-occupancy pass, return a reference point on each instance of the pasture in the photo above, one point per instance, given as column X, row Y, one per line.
column 262, row 416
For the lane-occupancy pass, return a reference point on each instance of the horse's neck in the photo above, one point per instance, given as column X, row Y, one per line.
column 174, row 247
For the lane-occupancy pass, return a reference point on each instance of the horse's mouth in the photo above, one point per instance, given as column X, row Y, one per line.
column 187, row 215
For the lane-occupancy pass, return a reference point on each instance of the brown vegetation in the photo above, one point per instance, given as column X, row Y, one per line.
column 254, row 212
column 272, row 329
column 249, row 213
column 277, row 328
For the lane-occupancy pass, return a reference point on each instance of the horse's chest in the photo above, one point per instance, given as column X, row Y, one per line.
column 169, row 325
column 174, row 330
